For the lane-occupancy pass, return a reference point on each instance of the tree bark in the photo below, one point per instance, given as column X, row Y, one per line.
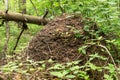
column 22, row 9
column 18, row 17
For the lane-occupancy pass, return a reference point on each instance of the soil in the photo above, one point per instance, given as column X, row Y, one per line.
column 62, row 37
column 58, row 40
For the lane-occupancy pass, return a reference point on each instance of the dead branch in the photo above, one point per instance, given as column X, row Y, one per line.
column 18, row 17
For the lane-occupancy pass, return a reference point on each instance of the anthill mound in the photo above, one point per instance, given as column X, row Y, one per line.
column 62, row 37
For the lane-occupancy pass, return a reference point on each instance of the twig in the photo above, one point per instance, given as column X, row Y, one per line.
column 18, row 40
column 111, row 59
column 34, row 8
column 7, row 38
column 7, row 29
column 108, row 54
column 46, row 12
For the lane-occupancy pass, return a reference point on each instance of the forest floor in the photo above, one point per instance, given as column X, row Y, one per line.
column 67, row 44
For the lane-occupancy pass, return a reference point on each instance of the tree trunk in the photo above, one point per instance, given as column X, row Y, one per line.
column 7, row 31
column 22, row 9
column 18, row 17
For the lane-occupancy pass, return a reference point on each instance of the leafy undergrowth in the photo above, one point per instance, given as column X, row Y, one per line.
column 21, row 68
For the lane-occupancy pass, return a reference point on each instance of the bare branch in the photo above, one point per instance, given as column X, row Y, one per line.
column 18, row 17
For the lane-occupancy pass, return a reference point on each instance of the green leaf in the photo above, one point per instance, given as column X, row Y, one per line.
column 43, row 65
column 56, row 73
column 83, row 75
column 92, row 66
column 76, row 62
column 57, row 66
column 74, row 68
column 50, row 61
column 97, row 56
column 70, row 76
column 82, row 49
column 65, row 72
column 59, row 74
column 86, row 28
column 73, row 63
column 111, row 68
column 108, row 77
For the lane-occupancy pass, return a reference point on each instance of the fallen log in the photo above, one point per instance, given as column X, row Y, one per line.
column 18, row 17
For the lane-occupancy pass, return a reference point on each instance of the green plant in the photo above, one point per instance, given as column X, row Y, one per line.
column 82, row 49
column 112, row 72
